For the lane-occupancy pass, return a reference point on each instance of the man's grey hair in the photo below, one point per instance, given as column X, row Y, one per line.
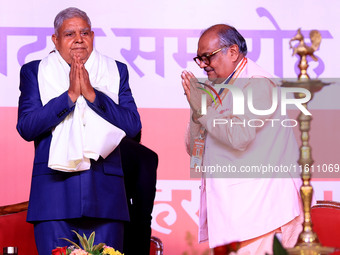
column 228, row 36
column 69, row 13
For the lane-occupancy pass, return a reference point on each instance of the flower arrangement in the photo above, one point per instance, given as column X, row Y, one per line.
column 87, row 247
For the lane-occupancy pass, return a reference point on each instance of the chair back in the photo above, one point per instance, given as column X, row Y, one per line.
column 15, row 231
column 156, row 246
column 326, row 222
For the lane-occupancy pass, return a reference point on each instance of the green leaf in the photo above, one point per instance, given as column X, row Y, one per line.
column 76, row 245
column 81, row 240
column 98, row 247
column 91, row 240
column 87, row 248
column 278, row 248
column 87, row 244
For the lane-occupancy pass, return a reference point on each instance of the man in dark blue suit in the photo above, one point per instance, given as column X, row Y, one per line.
column 89, row 197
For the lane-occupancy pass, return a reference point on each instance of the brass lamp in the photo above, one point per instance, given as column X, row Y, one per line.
column 308, row 242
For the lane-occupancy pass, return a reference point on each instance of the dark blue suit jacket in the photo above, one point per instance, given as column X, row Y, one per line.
column 98, row 192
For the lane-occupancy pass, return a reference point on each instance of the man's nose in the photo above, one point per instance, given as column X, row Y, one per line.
column 202, row 64
column 79, row 38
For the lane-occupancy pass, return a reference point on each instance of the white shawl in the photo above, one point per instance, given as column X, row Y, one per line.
column 83, row 134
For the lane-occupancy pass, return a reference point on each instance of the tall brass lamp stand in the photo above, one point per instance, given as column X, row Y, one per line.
column 308, row 242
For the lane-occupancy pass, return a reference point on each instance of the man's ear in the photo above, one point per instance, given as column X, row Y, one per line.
column 234, row 52
column 55, row 40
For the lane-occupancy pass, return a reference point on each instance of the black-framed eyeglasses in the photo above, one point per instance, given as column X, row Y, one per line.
column 206, row 57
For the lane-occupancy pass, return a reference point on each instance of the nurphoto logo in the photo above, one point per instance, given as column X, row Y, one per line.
column 244, row 98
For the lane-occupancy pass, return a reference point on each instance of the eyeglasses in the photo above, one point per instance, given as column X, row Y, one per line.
column 206, row 57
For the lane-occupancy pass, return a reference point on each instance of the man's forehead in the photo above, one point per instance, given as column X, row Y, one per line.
column 75, row 23
column 208, row 43
column 73, row 29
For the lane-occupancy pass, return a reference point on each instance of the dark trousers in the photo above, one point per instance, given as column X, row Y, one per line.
column 140, row 167
column 48, row 233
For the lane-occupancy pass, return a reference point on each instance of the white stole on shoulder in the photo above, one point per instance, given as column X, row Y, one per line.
column 83, row 134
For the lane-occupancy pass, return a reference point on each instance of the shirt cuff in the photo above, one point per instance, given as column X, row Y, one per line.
column 70, row 102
